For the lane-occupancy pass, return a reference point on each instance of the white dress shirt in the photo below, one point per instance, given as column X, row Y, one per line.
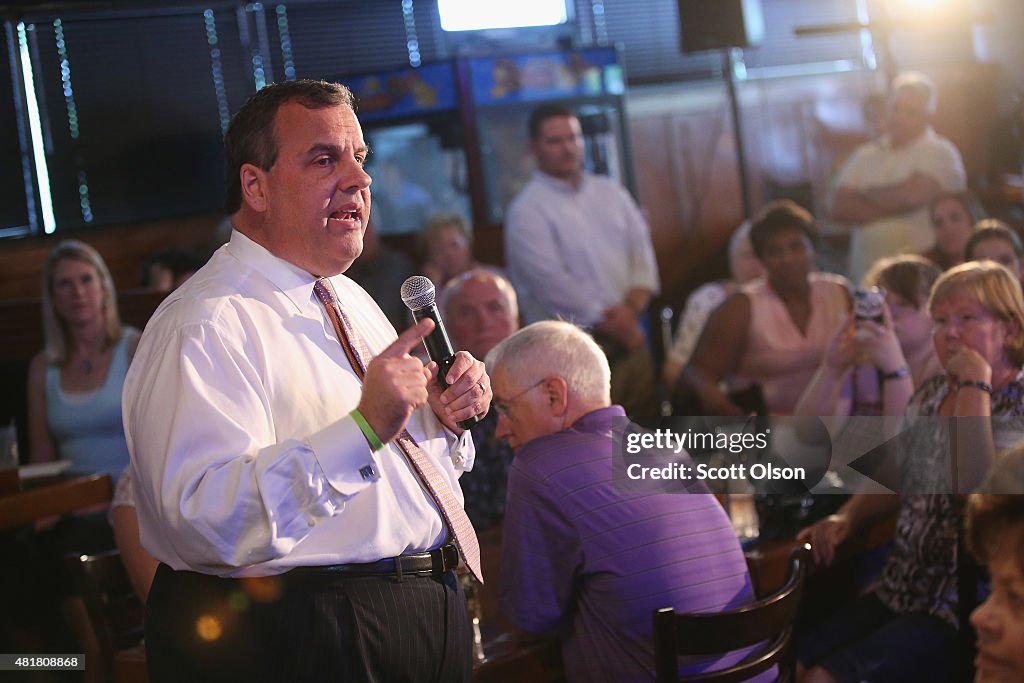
column 245, row 459
column 574, row 252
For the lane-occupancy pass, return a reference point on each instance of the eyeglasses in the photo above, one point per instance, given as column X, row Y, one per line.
column 501, row 405
column 966, row 320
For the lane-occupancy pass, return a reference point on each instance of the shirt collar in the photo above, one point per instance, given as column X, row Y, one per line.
column 294, row 282
column 557, row 183
column 597, row 420
column 928, row 134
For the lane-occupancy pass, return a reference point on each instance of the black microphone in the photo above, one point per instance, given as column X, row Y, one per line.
column 418, row 295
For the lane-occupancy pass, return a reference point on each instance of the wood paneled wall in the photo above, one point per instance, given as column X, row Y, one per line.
column 124, row 248
column 797, row 132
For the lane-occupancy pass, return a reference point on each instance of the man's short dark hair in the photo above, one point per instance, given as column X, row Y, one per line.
column 250, row 137
column 544, row 112
column 179, row 260
column 776, row 217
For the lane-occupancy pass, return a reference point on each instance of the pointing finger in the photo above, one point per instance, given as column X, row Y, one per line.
column 408, row 339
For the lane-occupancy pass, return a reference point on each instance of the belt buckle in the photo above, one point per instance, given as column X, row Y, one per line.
column 447, row 559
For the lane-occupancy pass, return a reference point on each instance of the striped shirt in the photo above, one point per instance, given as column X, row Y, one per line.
column 591, row 559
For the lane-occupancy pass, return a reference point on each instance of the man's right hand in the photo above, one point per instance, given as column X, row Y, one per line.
column 395, row 384
column 621, row 324
column 824, row 536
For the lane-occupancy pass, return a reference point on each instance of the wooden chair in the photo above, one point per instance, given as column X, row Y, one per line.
column 113, row 613
column 767, row 621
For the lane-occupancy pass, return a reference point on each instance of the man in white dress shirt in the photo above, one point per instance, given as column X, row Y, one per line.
column 884, row 190
column 578, row 249
column 295, row 535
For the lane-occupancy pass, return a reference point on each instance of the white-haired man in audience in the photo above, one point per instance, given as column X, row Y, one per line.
column 585, row 554
column 883, row 192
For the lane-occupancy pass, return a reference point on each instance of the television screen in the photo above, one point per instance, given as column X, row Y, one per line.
column 473, row 15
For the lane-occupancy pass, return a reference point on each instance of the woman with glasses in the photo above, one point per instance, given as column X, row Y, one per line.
column 906, row 629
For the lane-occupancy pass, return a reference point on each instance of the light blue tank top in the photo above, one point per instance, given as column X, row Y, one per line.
column 87, row 427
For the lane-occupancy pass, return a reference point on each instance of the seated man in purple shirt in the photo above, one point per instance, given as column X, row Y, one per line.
column 585, row 557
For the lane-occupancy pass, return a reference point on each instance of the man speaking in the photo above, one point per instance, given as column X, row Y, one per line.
column 296, row 469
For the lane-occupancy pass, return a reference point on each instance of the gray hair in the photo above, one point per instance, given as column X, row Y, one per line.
column 553, row 347
column 56, row 336
column 455, row 286
column 918, row 85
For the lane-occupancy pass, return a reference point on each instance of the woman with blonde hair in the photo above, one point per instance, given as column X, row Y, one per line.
column 74, row 384
column 906, row 628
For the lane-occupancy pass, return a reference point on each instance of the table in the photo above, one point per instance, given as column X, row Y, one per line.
column 48, row 496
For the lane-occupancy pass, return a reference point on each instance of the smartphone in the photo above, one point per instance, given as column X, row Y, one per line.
column 867, row 304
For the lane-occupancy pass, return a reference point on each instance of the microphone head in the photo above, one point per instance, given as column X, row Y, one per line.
column 418, row 292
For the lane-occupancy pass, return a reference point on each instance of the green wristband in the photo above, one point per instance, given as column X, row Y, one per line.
column 371, row 436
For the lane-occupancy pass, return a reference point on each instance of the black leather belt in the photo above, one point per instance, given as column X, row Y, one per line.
column 439, row 561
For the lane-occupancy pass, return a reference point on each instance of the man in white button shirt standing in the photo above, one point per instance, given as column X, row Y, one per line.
column 578, row 249
column 295, row 536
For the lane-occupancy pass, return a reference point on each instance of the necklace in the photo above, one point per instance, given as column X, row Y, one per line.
column 87, row 366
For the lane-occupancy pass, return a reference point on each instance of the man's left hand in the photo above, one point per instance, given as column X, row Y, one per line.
column 468, row 393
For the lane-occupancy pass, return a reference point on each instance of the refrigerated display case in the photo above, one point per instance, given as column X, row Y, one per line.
column 450, row 137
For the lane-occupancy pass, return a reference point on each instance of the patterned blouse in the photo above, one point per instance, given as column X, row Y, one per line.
column 920, row 574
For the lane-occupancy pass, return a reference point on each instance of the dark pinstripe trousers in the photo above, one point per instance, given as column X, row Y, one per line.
column 307, row 628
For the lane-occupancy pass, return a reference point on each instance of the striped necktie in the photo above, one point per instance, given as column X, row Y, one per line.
column 453, row 513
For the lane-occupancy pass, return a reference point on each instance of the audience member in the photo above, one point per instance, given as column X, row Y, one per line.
column 578, row 249
column 445, row 244
column 480, row 310
column 953, row 216
column 774, row 331
column 994, row 240
column 995, row 535
column 872, row 368
column 906, row 629
column 743, row 267
column 884, row 190
column 381, row 271
column 295, row 470
column 74, row 386
column 168, row 268
column 586, row 556
column 74, row 410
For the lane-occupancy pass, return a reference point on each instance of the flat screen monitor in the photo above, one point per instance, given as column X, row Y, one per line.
column 475, row 15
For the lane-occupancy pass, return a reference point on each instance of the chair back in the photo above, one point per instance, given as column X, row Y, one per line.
column 113, row 610
column 767, row 622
